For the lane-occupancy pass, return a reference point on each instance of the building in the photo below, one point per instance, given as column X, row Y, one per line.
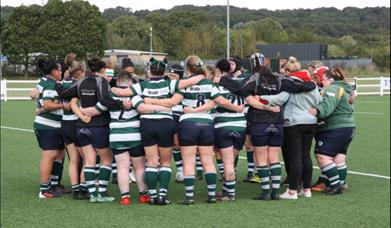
column 302, row 51
column 138, row 57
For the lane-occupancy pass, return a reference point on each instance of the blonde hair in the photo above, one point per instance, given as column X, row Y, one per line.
column 195, row 65
column 76, row 68
column 292, row 65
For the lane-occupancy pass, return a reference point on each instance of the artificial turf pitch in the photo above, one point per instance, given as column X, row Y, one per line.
column 365, row 204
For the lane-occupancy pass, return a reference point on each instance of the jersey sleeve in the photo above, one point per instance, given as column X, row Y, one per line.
column 100, row 107
column 49, row 92
column 329, row 103
column 137, row 101
column 215, row 93
column 137, row 89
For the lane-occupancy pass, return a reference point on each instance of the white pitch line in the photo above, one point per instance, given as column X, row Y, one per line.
column 315, row 167
column 351, row 172
column 369, row 113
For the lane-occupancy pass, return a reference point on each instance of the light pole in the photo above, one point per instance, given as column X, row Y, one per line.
column 228, row 36
column 150, row 41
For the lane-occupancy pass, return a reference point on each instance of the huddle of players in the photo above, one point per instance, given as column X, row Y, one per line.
column 142, row 122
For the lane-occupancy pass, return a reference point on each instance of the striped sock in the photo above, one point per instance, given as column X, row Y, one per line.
column 250, row 163
column 342, row 172
column 104, row 176
column 229, row 187
column 220, row 166
column 199, row 165
column 178, row 160
column 151, row 177
column 83, row 186
column 114, row 169
column 89, row 174
column 263, row 172
column 75, row 188
column 211, row 180
column 125, row 194
column 55, row 173
column 164, row 180
column 189, row 186
column 275, row 176
column 44, row 187
column 97, row 166
column 331, row 171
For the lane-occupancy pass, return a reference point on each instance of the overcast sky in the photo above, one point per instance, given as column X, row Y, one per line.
column 252, row 4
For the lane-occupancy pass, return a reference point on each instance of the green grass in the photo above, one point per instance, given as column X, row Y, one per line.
column 365, row 204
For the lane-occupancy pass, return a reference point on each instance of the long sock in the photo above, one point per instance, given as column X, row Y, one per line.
column 89, row 174
column 83, row 186
column 61, row 171
column 55, row 173
column 275, row 176
column 164, row 180
column 211, row 180
column 250, row 162
column 342, row 172
column 44, row 187
column 220, row 166
column 331, row 171
column 263, row 172
column 151, row 177
column 97, row 166
column 125, row 194
column 189, row 186
column 199, row 165
column 178, row 160
column 229, row 187
column 114, row 171
column 104, row 177
column 75, row 188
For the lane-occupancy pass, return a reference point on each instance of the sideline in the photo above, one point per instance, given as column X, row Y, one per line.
column 244, row 158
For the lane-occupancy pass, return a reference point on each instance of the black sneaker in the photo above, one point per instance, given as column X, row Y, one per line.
column 83, row 195
column 263, row 196
column 275, row 196
column 163, row 200
column 186, row 202
column 334, row 191
column 75, row 194
column 248, row 178
column 211, row 199
column 62, row 189
column 154, row 201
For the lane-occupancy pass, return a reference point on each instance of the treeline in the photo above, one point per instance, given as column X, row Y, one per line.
column 60, row 27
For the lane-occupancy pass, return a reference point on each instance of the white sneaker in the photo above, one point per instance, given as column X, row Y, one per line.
column 179, row 177
column 305, row 194
column 288, row 195
column 131, row 177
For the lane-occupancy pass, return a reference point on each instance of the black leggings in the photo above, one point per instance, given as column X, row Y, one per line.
column 297, row 154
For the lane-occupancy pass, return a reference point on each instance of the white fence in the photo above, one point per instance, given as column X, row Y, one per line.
column 364, row 86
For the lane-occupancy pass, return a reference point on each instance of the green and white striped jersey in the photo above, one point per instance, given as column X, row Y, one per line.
column 228, row 119
column 157, row 88
column 47, row 91
column 196, row 96
column 124, row 124
column 68, row 115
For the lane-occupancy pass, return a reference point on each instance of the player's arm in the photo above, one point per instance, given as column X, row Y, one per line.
column 169, row 102
column 255, row 103
column 184, row 83
column 141, row 107
column 75, row 109
column 329, row 103
column 203, row 108
column 221, row 101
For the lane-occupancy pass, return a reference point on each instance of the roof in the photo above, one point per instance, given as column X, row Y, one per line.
column 131, row 52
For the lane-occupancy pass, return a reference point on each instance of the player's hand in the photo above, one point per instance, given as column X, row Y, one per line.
column 240, row 109
column 274, row 108
column 188, row 110
column 85, row 119
column 34, row 94
column 313, row 111
column 66, row 106
column 127, row 104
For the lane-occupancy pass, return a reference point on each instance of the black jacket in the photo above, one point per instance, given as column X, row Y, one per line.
column 272, row 84
column 90, row 90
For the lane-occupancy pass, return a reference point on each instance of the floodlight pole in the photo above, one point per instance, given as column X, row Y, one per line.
column 150, row 41
column 228, row 35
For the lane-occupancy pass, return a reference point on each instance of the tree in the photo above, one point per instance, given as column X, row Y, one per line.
column 20, row 37
column 72, row 26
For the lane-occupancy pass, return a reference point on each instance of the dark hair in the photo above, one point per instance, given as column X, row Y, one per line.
column 336, row 73
column 127, row 62
column 223, row 65
column 158, row 68
column 46, row 66
column 95, row 65
column 124, row 76
column 238, row 62
column 177, row 69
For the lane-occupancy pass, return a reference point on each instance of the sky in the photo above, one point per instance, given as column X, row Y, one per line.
column 251, row 4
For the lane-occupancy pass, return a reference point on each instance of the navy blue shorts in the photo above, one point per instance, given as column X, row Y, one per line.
column 157, row 132
column 135, row 152
column 226, row 138
column 176, row 120
column 196, row 134
column 69, row 130
column 98, row 137
column 50, row 139
column 267, row 134
column 334, row 141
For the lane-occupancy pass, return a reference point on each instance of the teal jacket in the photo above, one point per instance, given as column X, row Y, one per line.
column 335, row 109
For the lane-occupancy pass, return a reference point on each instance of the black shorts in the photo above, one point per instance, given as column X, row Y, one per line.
column 226, row 138
column 98, row 137
column 176, row 120
column 157, row 132
column 69, row 130
column 196, row 134
column 267, row 134
column 334, row 141
column 49, row 139
column 134, row 152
